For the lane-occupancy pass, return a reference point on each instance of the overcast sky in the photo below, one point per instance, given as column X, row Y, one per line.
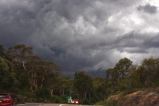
column 83, row 34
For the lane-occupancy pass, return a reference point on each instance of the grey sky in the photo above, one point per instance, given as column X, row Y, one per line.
column 148, row 8
column 83, row 34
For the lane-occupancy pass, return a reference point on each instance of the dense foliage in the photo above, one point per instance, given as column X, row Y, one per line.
column 125, row 77
column 30, row 77
column 34, row 79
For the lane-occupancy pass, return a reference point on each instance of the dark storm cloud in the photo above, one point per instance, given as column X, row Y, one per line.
column 74, row 33
column 137, row 43
column 16, row 24
column 136, row 39
column 152, row 42
column 148, row 8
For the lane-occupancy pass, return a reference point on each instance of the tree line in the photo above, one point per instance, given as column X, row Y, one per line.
column 34, row 79
column 25, row 73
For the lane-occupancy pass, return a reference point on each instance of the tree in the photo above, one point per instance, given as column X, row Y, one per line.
column 101, row 89
column 31, row 76
column 2, row 51
column 123, row 67
column 83, row 86
column 33, row 72
column 150, row 72
column 19, row 55
column 7, row 78
column 118, row 76
column 40, row 73
column 136, row 77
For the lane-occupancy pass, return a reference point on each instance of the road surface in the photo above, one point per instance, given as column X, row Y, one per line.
column 36, row 104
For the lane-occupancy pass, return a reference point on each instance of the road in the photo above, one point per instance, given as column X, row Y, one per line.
column 36, row 104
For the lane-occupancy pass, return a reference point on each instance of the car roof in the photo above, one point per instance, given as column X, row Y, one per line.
column 4, row 94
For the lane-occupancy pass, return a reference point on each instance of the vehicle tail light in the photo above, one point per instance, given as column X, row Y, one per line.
column 7, row 100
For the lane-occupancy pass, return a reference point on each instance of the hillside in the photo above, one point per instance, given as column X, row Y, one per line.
column 146, row 97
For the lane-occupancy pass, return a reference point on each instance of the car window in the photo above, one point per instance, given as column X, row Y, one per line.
column 2, row 95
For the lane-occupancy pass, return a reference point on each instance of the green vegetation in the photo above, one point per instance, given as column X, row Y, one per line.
column 34, row 79
column 30, row 77
column 126, row 77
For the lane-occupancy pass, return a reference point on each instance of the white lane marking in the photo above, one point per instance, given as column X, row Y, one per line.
column 61, row 105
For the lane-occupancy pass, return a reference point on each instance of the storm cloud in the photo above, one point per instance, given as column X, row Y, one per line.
column 148, row 8
column 82, row 34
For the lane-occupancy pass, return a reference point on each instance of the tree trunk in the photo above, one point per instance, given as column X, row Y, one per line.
column 51, row 92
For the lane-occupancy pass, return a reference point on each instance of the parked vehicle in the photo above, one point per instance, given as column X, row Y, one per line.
column 6, row 100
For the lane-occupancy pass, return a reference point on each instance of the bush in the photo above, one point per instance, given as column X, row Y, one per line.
column 108, row 103
column 42, row 93
column 58, row 99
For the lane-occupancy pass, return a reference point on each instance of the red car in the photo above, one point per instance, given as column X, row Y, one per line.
column 6, row 100
column 75, row 101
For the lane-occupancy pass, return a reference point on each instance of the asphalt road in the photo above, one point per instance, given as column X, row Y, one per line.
column 36, row 104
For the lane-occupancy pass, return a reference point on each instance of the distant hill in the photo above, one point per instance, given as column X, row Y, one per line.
column 93, row 73
column 97, row 73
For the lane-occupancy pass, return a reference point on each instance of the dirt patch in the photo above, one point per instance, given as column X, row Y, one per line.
column 138, row 98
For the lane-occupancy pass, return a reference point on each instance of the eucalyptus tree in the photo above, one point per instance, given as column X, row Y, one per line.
column 83, row 85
